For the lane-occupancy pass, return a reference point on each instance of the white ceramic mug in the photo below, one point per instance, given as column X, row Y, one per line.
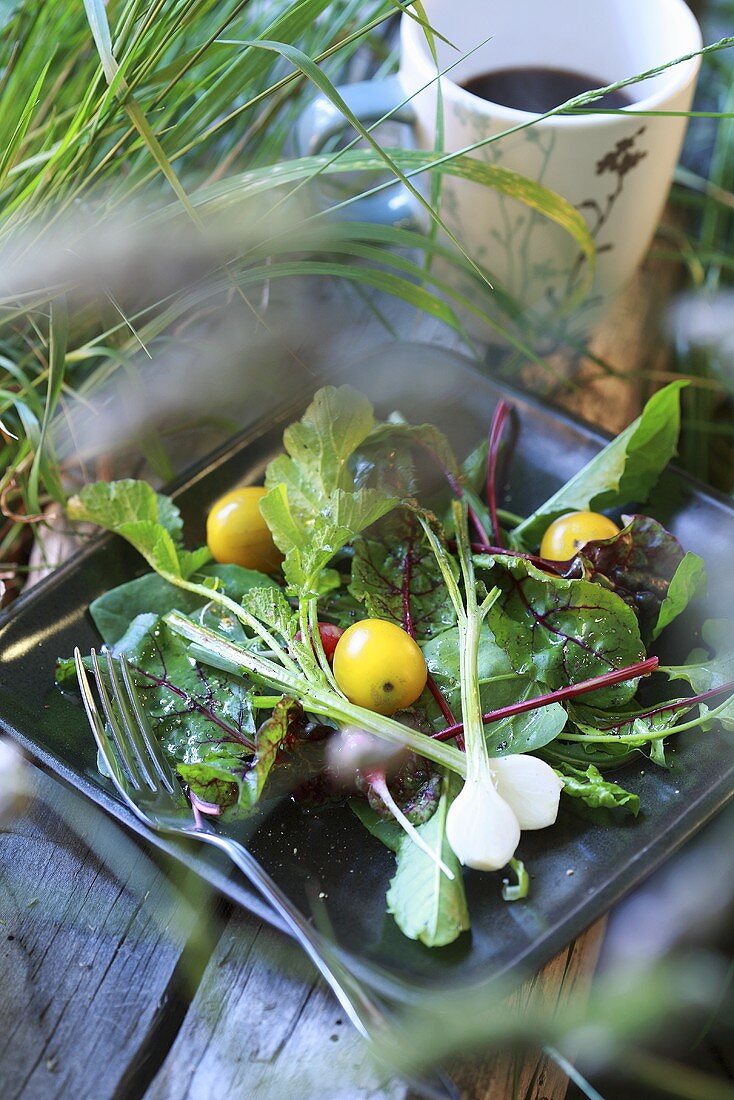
column 615, row 168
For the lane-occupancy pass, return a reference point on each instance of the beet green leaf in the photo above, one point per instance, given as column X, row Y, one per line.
column 499, row 685
column 560, row 631
column 396, row 575
column 648, row 568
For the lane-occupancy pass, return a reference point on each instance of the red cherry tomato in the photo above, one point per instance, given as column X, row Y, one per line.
column 330, row 635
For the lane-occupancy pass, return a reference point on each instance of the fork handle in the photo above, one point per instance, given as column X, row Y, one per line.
column 361, row 1009
column 364, row 1012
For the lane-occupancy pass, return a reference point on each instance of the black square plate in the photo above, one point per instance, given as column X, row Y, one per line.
column 329, row 855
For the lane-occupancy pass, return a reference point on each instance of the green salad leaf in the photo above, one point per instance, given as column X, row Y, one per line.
column 626, row 470
column 426, row 904
column 115, row 610
column 388, row 832
column 560, row 631
column 474, row 467
column 202, row 716
column 309, row 548
column 711, row 667
column 420, row 439
column 590, row 787
column 150, row 522
column 196, row 710
column 637, row 725
column 217, row 780
column 312, row 506
column 687, row 581
column 270, row 737
column 319, row 447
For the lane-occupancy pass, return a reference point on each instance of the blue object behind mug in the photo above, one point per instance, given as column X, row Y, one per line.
column 371, row 101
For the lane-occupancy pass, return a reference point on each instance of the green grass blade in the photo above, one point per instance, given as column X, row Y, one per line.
column 58, row 339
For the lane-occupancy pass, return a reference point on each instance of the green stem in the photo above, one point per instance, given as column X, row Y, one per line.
column 471, row 703
column 470, row 625
column 318, row 645
column 307, row 640
column 316, row 698
column 212, row 596
column 653, row 735
column 265, row 702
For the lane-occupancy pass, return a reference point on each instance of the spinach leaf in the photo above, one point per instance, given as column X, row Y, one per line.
column 596, row 792
column 426, row 905
column 624, row 471
column 150, row 522
column 386, row 831
column 396, row 575
column 647, row 567
column 115, row 610
column 499, row 686
column 686, row 582
column 562, row 631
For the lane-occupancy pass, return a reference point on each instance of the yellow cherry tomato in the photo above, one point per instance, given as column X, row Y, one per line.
column 237, row 534
column 378, row 666
column 567, row 535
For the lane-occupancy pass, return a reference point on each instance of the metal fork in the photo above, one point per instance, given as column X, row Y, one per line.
column 149, row 787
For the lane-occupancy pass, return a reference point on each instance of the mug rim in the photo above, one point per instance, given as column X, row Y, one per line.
column 681, row 76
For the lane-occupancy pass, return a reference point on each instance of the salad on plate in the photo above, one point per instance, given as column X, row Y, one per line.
column 371, row 627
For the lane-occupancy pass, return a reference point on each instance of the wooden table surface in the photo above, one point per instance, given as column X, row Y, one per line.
column 119, row 983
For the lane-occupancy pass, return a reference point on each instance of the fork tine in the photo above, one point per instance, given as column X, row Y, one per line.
column 129, row 728
column 96, row 723
column 157, row 758
column 121, row 742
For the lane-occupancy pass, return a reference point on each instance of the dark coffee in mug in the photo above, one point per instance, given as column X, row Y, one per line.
column 538, row 90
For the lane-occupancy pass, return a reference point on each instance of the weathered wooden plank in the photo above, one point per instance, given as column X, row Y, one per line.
column 532, row 1075
column 263, row 1025
column 94, row 945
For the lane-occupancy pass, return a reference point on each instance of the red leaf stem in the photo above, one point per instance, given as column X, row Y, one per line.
column 642, row 668
column 496, row 431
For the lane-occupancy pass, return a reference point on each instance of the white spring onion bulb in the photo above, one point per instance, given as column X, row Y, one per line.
column 500, row 796
column 530, row 787
column 481, row 827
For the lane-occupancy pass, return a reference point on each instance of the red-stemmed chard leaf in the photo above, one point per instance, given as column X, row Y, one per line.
column 496, row 432
column 560, row 631
column 395, row 575
column 647, row 567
